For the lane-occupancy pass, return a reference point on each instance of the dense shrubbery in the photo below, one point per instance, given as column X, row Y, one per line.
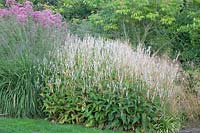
column 105, row 109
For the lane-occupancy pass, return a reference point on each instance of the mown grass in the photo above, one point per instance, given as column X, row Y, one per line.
column 41, row 126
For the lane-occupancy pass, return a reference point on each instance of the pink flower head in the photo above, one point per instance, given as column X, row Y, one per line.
column 10, row 3
column 19, row 5
column 36, row 15
column 14, row 9
column 47, row 13
column 28, row 3
column 4, row 13
column 22, row 18
column 57, row 17
column 28, row 6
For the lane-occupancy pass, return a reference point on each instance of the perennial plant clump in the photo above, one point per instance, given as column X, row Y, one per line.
column 107, row 84
column 158, row 73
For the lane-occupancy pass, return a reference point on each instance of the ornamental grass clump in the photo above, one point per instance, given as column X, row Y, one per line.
column 24, row 45
column 101, row 83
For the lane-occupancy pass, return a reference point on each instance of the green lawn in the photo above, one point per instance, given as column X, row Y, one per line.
column 41, row 126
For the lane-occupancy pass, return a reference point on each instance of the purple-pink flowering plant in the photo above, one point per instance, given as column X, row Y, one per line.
column 24, row 11
column 10, row 3
column 4, row 12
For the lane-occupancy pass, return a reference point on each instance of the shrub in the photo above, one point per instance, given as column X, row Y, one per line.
column 24, row 45
column 100, row 83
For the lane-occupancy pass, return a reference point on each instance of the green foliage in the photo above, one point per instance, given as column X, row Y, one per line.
column 70, row 9
column 167, row 124
column 18, row 88
column 22, row 49
column 186, row 32
column 103, row 110
column 79, row 9
column 193, row 80
column 67, row 100
column 138, row 21
column 1, row 5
